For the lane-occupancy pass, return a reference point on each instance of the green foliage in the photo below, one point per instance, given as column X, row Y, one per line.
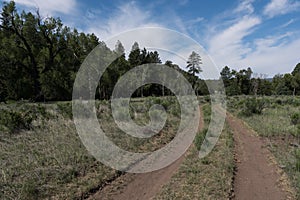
column 40, row 58
column 193, row 63
column 200, row 138
column 207, row 113
column 14, row 121
column 30, row 190
column 41, row 55
column 193, row 66
column 65, row 109
column 236, row 82
column 253, row 106
column 297, row 162
column 295, row 118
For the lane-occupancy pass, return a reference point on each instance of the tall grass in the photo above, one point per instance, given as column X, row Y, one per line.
column 46, row 160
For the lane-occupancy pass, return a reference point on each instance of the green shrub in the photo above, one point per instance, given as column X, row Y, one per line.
column 200, row 138
column 279, row 101
column 42, row 111
column 297, row 163
column 295, row 118
column 175, row 110
column 65, row 109
column 167, row 103
column 207, row 99
column 253, row 106
column 14, row 121
column 38, row 109
column 30, row 190
column 207, row 113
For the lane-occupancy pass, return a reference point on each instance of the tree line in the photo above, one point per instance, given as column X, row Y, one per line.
column 245, row 82
column 39, row 59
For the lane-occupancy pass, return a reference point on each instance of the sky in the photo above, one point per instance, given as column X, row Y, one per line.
column 261, row 34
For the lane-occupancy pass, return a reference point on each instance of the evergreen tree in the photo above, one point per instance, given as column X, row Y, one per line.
column 193, row 66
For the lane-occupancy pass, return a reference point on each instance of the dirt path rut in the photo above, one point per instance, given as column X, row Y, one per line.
column 256, row 177
column 140, row 186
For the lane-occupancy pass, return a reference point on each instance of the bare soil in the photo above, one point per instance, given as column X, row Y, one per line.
column 140, row 186
column 257, row 174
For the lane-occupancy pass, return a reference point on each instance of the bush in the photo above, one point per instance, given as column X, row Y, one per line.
column 253, row 106
column 175, row 110
column 14, row 121
column 65, row 109
column 295, row 118
column 200, row 138
column 42, row 111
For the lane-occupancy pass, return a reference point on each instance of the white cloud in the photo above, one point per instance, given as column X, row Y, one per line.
column 287, row 24
column 127, row 16
column 280, row 7
column 227, row 46
column 267, row 54
column 129, row 23
column 273, row 55
column 245, row 6
column 51, row 6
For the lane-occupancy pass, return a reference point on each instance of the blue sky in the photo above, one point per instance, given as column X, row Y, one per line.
column 261, row 34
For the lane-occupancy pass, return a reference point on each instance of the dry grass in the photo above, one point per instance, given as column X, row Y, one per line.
column 49, row 160
column 207, row 178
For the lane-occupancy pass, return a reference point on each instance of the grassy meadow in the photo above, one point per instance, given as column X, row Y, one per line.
column 42, row 156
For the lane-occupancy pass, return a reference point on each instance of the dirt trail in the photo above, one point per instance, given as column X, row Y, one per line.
column 256, row 177
column 140, row 186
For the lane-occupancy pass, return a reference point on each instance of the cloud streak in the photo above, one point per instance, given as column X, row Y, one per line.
column 50, row 7
column 280, row 7
column 227, row 46
column 267, row 54
column 126, row 17
column 273, row 55
column 245, row 6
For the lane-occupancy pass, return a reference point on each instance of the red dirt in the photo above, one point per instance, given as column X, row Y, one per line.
column 140, row 186
column 256, row 176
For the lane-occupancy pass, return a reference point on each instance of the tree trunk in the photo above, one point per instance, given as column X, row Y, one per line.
column 294, row 91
